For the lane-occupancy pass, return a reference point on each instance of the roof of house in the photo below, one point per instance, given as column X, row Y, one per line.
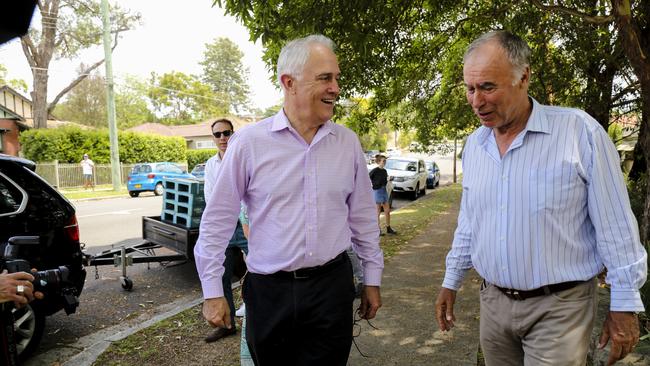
column 186, row 131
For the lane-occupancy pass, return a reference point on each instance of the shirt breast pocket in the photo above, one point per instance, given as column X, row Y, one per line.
column 556, row 189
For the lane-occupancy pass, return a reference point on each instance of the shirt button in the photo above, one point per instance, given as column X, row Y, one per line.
column 504, row 177
column 503, row 207
column 310, row 254
column 503, row 238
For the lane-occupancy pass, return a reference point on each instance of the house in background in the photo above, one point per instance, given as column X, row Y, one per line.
column 15, row 111
column 196, row 136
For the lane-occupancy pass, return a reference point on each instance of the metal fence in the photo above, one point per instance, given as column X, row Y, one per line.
column 71, row 175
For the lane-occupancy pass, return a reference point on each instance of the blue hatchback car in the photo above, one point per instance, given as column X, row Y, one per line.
column 148, row 177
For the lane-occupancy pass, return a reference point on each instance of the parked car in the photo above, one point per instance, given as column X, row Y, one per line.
column 370, row 156
column 199, row 171
column 409, row 175
column 148, row 177
column 433, row 177
column 389, row 185
column 38, row 225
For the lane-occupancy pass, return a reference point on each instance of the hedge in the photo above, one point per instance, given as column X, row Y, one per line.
column 68, row 144
column 198, row 157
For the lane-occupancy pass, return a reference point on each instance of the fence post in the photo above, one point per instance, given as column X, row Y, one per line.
column 56, row 173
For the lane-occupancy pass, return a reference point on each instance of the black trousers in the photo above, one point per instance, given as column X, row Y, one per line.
column 300, row 322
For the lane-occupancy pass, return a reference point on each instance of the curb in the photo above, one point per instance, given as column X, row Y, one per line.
column 95, row 344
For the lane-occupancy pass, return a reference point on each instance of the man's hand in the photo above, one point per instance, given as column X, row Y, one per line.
column 11, row 283
column 623, row 329
column 445, row 309
column 217, row 312
column 370, row 302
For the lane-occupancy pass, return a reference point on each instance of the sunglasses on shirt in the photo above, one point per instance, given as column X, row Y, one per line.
column 225, row 133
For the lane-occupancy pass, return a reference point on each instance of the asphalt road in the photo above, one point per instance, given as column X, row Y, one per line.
column 111, row 223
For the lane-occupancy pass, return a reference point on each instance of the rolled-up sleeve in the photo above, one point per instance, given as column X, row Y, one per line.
column 362, row 218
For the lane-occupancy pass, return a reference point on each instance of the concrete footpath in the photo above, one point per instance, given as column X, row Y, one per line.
column 407, row 333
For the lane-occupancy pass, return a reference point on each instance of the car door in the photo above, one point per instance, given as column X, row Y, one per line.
column 422, row 174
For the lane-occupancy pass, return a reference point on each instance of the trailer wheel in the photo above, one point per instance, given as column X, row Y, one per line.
column 127, row 284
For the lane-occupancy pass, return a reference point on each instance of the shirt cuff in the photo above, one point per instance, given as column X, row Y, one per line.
column 626, row 300
column 372, row 276
column 453, row 280
column 212, row 289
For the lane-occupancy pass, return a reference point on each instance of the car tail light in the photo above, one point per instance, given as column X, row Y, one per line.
column 72, row 229
column 129, row 178
column 151, row 176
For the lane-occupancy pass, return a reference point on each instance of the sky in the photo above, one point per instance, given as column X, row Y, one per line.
column 172, row 36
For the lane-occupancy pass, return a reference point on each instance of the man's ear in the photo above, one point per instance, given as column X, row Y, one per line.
column 287, row 82
column 525, row 76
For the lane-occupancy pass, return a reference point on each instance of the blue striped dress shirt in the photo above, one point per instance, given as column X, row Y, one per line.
column 553, row 209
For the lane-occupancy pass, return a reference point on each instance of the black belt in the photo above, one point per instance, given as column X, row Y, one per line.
column 544, row 290
column 310, row 272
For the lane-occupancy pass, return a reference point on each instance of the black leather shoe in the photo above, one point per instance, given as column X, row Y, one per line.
column 390, row 230
column 220, row 333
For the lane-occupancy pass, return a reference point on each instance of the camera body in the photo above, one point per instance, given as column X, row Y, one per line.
column 51, row 282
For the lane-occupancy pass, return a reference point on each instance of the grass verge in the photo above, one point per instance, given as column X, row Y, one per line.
column 99, row 192
column 179, row 340
column 409, row 221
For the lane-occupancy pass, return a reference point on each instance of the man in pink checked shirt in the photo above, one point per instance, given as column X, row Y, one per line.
column 305, row 183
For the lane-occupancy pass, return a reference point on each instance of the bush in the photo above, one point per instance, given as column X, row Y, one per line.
column 198, row 157
column 68, row 144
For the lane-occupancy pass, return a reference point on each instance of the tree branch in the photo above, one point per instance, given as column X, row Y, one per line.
column 29, row 50
column 84, row 74
column 595, row 19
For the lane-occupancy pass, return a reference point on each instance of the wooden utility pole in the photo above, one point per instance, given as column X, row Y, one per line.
column 110, row 100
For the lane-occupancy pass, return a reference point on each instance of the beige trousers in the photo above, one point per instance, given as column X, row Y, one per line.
column 544, row 330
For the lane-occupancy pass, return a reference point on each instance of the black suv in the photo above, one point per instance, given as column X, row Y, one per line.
column 38, row 225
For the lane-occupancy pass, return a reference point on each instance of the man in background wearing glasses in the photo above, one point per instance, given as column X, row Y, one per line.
column 222, row 129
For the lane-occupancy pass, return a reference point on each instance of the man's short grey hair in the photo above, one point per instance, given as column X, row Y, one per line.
column 294, row 54
column 516, row 49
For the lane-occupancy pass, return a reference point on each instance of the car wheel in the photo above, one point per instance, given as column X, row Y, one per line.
column 438, row 183
column 134, row 194
column 29, row 324
column 159, row 190
column 416, row 193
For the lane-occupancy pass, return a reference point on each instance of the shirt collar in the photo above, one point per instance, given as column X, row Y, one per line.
column 281, row 122
column 537, row 122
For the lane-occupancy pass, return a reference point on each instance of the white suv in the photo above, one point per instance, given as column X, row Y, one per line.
column 409, row 175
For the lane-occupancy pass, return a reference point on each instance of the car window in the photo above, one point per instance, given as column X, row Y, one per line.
column 10, row 196
column 404, row 165
column 171, row 168
column 141, row 169
column 161, row 168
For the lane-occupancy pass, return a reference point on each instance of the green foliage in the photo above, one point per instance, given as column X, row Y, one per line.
column 224, row 71
column 86, row 103
column 18, row 84
column 179, row 98
column 199, row 157
column 67, row 145
column 408, row 54
column 615, row 132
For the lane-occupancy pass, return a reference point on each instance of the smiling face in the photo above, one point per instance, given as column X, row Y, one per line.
column 222, row 141
column 310, row 97
column 497, row 96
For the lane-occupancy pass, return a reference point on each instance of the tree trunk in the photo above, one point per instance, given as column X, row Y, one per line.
column 637, row 51
column 39, row 98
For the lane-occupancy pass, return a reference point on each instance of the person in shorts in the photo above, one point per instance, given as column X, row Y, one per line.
column 379, row 179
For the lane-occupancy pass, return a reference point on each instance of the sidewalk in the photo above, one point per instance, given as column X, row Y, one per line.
column 407, row 333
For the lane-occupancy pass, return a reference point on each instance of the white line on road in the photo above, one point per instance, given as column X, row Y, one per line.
column 120, row 212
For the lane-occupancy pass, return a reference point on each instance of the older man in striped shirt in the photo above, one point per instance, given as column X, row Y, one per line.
column 544, row 210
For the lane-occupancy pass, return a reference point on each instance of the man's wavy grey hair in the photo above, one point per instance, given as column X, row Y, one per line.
column 516, row 49
column 294, row 55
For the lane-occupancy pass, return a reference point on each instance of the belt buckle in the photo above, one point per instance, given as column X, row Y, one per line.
column 296, row 276
column 515, row 294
